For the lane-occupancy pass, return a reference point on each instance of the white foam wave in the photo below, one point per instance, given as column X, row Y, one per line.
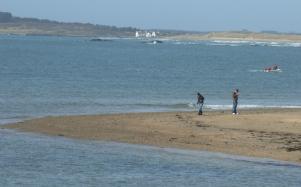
column 193, row 106
column 264, row 71
column 255, row 70
column 224, row 107
column 295, row 44
column 221, row 44
column 231, row 41
column 186, row 43
column 218, row 107
column 235, row 43
column 253, row 43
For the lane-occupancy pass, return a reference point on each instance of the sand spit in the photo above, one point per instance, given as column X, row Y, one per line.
column 269, row 133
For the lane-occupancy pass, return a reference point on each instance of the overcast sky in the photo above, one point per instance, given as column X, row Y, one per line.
column 198, row 15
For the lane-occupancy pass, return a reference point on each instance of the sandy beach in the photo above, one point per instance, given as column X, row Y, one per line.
column 239, row 36
column 268, row 133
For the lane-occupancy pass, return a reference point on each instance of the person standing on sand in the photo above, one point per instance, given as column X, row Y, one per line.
column 235, row 95
column 200, row 103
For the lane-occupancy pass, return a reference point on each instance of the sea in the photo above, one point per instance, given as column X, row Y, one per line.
column 53, row 76
column 43, row 76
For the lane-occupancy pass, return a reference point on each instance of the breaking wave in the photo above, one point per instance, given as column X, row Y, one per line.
column 235, row 43
column 253, row 43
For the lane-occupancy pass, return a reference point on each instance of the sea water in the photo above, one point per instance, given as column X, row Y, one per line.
column 59, row 75
column 34, row 160
column 42, row 76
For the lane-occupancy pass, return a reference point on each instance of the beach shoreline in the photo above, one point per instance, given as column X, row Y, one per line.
column 238, row 36
column 268, row 133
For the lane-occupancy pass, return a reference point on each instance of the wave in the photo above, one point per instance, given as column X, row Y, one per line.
column 231, row 41
column 235, row 43
column 193, row 106
column 253, row 43
column 255, row 70
column 77, row 105
column 161, row 105
column 186, row 43
column 263, row 71
column 217, row 107
column 222, row 107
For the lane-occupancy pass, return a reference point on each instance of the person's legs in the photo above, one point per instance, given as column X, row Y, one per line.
column 201, row 109
column 234, row 109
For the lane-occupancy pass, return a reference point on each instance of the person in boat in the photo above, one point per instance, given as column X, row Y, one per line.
column 275, row 67
column 272, row 68
column 267, row 69
column 200, row 103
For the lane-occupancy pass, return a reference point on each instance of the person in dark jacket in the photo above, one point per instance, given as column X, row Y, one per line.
column 235, row 95
column 200, row 103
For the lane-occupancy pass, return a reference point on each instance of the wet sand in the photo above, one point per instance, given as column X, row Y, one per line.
column 269, row 133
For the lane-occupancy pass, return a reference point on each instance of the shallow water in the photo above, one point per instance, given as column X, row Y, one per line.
column 60, row 75
column 36, row 160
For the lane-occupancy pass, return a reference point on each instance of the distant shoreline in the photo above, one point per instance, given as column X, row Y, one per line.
column 268, row 133
column 186, row 37
column 237, row 36
column 10, row 24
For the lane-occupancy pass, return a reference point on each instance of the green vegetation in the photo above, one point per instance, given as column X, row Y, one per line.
column 32, row 26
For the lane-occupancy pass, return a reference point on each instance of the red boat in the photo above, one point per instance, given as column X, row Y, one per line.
column 274, row 68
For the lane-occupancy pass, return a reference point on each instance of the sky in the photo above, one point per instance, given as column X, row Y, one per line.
column 193, row 15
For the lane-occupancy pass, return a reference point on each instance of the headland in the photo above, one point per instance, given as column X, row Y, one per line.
column 12, row 25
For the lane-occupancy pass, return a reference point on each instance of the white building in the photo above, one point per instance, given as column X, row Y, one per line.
column 146, row 34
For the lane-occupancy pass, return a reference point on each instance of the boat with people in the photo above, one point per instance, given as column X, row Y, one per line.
column 274, row 68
